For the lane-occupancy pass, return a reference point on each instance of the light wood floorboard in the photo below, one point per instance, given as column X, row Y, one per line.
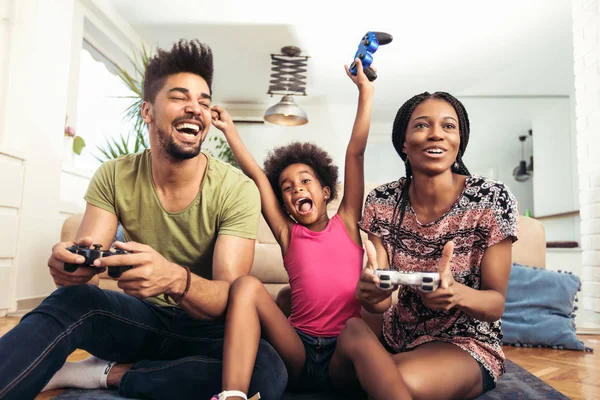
column 576, row 374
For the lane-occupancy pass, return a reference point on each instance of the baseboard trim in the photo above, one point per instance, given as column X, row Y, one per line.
column 588, row 331
column 29, row 304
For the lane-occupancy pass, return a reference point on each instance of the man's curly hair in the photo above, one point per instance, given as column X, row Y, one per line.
column 301, row 153
column 185, row 56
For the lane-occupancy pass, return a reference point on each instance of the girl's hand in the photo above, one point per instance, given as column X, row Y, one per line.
column 360, row 80
column 222, row 120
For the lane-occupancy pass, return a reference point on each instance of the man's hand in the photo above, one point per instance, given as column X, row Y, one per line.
column 151, row 275
column 445, row 297
column 360, row 80
column 60, row 255
column 367, row 291
column 222, row 120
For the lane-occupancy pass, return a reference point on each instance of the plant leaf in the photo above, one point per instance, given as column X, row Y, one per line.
column 78, row 145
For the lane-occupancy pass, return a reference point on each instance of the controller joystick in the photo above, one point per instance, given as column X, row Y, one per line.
column 368, row 45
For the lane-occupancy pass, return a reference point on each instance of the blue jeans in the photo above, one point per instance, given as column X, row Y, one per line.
column 182, row 356
column 315, row 374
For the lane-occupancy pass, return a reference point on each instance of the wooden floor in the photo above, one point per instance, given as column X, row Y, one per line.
column 8, row 323
column 576, row 374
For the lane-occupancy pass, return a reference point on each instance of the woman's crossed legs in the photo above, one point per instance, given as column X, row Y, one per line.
column 431, row 371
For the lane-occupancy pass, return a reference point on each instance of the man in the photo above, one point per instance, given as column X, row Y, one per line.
column 190, row 222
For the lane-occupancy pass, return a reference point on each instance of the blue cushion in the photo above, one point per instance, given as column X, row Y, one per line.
column 539, row 309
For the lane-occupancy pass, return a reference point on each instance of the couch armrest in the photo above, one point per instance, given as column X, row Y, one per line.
column 530, row 249
column 70, row 227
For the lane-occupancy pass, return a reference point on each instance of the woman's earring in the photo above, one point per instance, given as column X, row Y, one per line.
column 456, row 165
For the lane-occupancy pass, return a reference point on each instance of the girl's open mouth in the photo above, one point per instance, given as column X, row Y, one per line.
column 304, row 206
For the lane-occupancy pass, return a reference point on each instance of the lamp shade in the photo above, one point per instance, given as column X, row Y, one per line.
column 286, row 113
column 530, row 166
column 520, row 172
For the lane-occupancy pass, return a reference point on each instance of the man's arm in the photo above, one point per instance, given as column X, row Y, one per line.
column 98, row 226
column 207, row 299
column 233, row 254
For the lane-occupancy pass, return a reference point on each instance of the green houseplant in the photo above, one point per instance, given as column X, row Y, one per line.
column 78, row 142
column 114, row 148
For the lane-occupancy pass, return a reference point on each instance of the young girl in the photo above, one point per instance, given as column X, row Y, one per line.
column 444, row 344
column 323, row 257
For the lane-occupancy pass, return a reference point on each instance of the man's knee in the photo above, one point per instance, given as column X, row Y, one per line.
column 73, row 301
column 270, row 375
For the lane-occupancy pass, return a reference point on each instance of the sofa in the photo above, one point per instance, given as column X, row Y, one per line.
column 530, row 249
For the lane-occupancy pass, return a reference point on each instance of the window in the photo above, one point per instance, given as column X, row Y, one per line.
column 101, row 104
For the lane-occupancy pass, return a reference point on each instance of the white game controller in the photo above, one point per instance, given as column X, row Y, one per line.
column 425, row 281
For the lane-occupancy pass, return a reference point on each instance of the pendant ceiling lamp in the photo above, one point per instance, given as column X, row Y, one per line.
column 288, row 78
column 523, row 172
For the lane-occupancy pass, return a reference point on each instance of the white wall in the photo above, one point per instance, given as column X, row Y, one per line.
column 38, row 70
column 586, row 38
column 10, row 197
column 35, row 96
column 106, row 32
column 40, row 194
column 494, row 148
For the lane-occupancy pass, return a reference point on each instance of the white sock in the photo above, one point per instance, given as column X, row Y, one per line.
column 90, row 373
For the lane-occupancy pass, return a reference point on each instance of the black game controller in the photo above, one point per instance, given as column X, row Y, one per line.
column 92, row 255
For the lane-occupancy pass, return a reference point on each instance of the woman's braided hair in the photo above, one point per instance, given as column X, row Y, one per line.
column 399, row 136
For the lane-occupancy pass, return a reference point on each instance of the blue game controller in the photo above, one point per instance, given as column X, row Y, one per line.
column 369, row 45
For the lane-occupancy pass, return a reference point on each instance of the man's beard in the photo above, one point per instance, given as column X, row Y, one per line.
column 175, row 150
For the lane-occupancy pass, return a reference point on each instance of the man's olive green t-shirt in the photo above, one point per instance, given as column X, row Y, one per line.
column 228, row 203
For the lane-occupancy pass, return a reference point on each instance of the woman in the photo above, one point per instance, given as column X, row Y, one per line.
column 447, row 343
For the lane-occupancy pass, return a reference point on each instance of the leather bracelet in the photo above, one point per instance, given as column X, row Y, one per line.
column 169, row 298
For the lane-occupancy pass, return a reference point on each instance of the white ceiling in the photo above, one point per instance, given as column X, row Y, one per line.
column 466, row 47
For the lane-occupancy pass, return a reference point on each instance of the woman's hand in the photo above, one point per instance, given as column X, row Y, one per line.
column 446, row 296
column 367, row 291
